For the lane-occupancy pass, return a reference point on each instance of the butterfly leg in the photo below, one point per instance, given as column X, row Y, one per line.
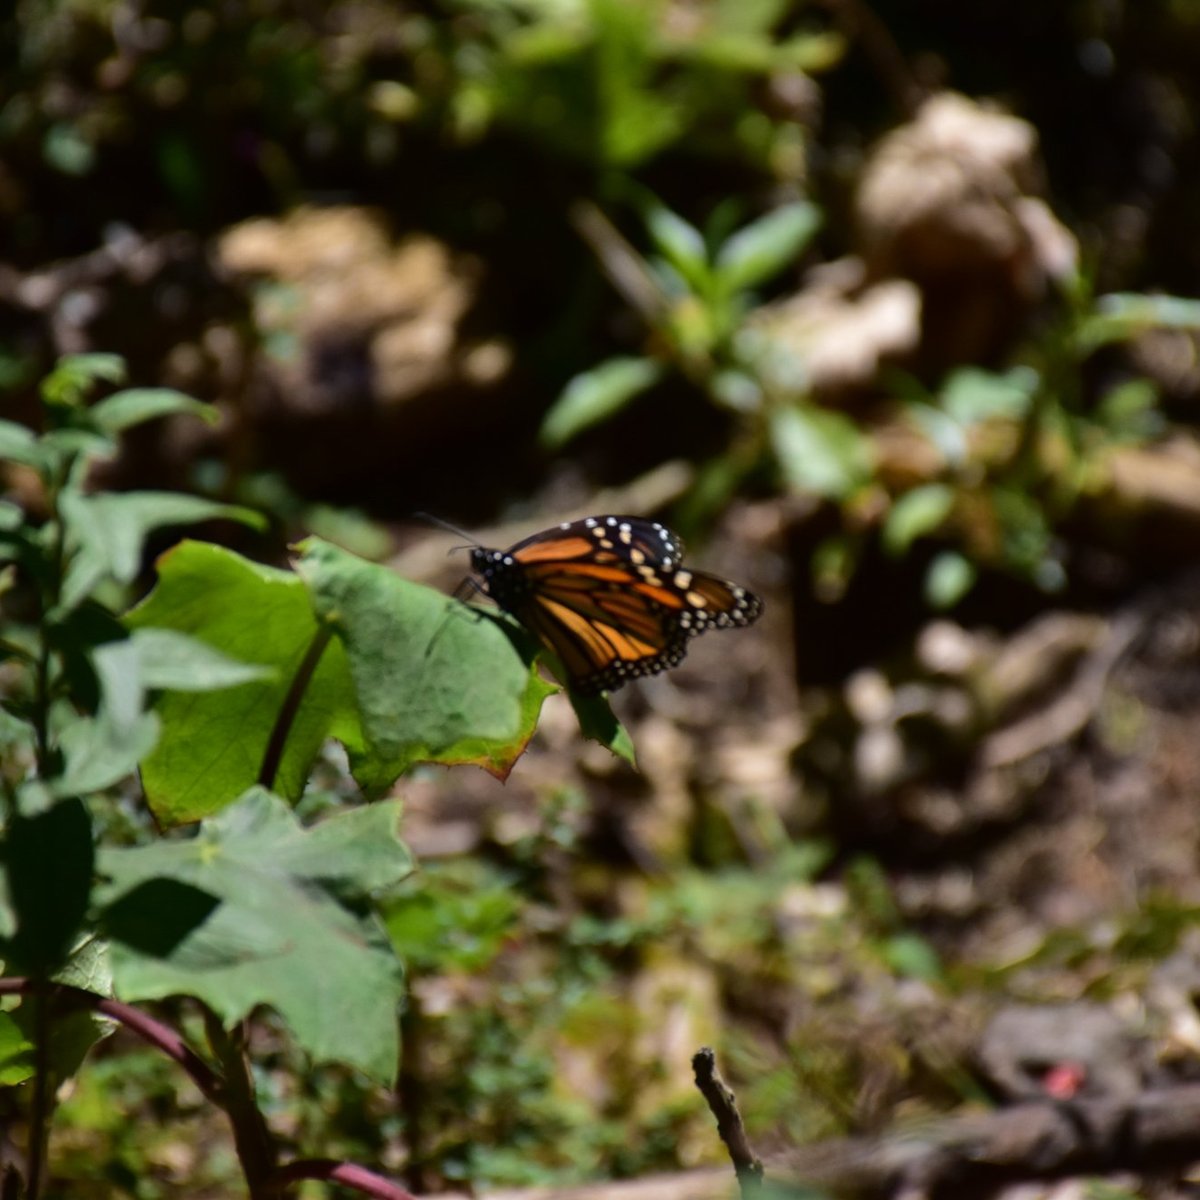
column 468, row 588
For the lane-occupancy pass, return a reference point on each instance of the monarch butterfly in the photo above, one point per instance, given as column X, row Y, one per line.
column 609, row 596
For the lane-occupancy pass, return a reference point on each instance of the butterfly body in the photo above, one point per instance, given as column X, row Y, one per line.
column 610, row 597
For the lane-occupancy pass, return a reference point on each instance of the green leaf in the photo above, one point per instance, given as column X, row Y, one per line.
column 12, row 516
column 1121, row 316
column 756, row 17
column 681, row 244
column 262, row 923
column 72, row 1035
column 1130, row 411
column 912, row 956
column 915, row 514
column 811, row 52
column 833, row 564
column 16, row 1053
column 48, row 857
column 971, row 395
column 434, row 680
column 212, row 743
column 74, row 442
column 766, row 246
column 105, row 532
column 134, row 406
column 943, row 431
column 177, row 662
column 75, row 375
column 596, row 395
column 19, row 445
column 102, row 750
column 949, row 578
column 598, row 722
column 820, row 451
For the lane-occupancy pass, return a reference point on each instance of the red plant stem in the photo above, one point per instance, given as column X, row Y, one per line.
column 349, row 1174
column 164, row 1038
column 256, row 1148
column 161, row 1036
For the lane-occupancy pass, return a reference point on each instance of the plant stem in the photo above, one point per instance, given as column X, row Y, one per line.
column 163, row 1037
column 39, row 1115
column 291, row 706
column 255, row 1145
column 50, row 597
column 154, row 1032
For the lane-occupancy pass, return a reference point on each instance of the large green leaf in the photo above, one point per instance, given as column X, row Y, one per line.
column 434, row 680
column 167, row 659
column 250, row 912
column 105, row 532
column 212, row 743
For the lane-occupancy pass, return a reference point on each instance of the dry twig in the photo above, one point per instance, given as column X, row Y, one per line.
column 723, row 1105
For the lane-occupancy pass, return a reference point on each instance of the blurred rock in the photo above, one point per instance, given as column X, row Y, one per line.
column 361, row 320
column 1026, row 1048
column 948, row 202
column 832, row 337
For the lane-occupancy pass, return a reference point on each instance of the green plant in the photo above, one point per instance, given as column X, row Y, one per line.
column 1016, row 450
column 221, row 687
column 1020, row 449
column 614, row 84
column 698, row 292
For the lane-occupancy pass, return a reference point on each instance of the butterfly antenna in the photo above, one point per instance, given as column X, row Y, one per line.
column 424, row 516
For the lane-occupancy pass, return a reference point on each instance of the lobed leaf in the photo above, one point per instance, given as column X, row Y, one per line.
column 177, row 662
column 255, row 918
column 213, row 742
column 434, row 680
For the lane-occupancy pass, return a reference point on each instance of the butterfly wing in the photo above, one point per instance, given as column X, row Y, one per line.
column 607, row 595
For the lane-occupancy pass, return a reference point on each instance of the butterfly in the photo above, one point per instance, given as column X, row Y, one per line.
column 609, row 596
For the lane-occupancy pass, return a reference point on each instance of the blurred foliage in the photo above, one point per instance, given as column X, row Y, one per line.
column 1017, row 448
column 95, row 88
